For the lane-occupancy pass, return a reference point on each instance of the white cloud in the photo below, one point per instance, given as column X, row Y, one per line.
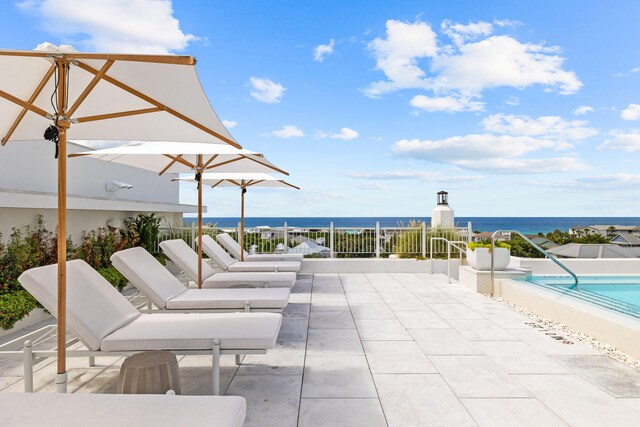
column 619, row 140
column 477, row 60
column 552, row 127
column 513, row 101
column 413, row 174
column 323, row 50
column 398, row 53
column 618, row 181
column 632, row 112
column 448, row 104
column 288, row 131
column 266, row 90
column 119, row 26
column 524, row 166
column 345, row 134
column 582, row 110
column 372, row 186
column 229, row 124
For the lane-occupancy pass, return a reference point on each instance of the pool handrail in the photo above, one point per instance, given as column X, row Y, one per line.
column 535, row 245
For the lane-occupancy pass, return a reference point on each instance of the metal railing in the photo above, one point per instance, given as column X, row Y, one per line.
column 336, row 242
column 536, row 246
column 450, row 244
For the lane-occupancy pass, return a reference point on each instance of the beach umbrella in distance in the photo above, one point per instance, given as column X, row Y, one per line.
column 58, row 92
column 242, row 181
column 171, row 157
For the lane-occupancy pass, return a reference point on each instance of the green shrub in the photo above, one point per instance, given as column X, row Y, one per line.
column 114, row 277
column 143, row 230
column 473, row 245
column 15, row 306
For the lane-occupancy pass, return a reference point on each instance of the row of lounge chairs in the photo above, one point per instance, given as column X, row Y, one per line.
column 187, row 321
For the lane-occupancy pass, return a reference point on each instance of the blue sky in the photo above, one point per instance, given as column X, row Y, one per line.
column 528, row 108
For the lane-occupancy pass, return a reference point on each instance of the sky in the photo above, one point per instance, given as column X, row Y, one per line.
column 528, row 108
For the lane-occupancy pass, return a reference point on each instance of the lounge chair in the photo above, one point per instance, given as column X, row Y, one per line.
column 107, row 324
column 235, row 250
column 110, row 410
column 186, row 259
column 226, row 262
column 167, row 293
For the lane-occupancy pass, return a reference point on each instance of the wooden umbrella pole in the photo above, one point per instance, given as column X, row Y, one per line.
column 62, row 124
column 243, row 190
column 199, row 172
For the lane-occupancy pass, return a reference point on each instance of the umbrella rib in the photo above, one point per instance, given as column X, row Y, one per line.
column 235, row 159
column 290, row 185
column 28, row 105
column 180, row 160
column 234, row 182
column 117, row 115
column 171, row 163
column 217, row 183
column 32, row 99
column 255, row 159
column 152, row 101
column 92, row 84
column 209, row 161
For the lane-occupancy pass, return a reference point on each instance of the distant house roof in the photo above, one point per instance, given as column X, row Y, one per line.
column 543, row 242
column 626, row 239
column 486, row 235
column 601, row 227
column 309, row 247
column 579, row 250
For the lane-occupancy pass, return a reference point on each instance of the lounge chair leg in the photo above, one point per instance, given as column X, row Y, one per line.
column 61, row 383
column 28, row 367
column 247, row 306
column 149, row 305
column 238, row 359
column 216, row 367
column 92, row 361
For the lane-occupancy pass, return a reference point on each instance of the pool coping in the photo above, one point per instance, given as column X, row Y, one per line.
column 613, row 328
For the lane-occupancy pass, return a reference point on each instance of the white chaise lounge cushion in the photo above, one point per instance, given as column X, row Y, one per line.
column 234, row 249
column 179, row 252
column 199, row 299
column 94, row 307
column 262, row 280
column 177, row 331
column 111, row 410
column 148, row 275
column 224, row 260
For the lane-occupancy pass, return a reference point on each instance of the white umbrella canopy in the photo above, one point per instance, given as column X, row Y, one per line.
column 98, row 96
column 179, row 157
column 243, row 181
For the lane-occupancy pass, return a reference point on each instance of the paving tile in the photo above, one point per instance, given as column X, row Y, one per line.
column 610, row 375
column 293, row 329
column 371, row 311
column 397, row 357
column 358, row 287
column 337, row 376
column 480, row 329
column 340, row 319
column 341, row 412
column 381, row 329
column 334, row 342
column 420, row 400
column 285, row 358
column 436, row 297
column 511, row 412
column 517, row 357
column 476, row 376
column 578, row 402
column 633, row 403
column 328, row 302
column 442, row 341
column 414, row 319
column 364, row 298
column 195, row 374
column 272, row 400
column 398, row 302
column 454, row 311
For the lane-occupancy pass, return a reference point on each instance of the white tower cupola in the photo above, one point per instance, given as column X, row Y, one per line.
column 442, row 215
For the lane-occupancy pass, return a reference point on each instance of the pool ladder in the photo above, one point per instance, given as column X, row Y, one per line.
column 532, row 243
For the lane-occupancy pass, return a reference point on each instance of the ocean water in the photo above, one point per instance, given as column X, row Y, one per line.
column 523, row 224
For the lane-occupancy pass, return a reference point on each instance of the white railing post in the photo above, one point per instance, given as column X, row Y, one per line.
column 448, row 262
column 286, row 238
column 193, row 236
column 377, row 239
column 469, row 231
column 424, row 240
column 238, row 232
column 331, row 241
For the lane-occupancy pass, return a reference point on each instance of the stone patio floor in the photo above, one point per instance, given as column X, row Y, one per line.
column 398, row 350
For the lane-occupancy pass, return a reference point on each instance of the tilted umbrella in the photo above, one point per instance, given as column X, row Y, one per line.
column 169, row 157
column 243, row 181
column 56, row 90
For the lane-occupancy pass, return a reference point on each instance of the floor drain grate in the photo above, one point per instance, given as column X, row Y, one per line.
column 550, row 334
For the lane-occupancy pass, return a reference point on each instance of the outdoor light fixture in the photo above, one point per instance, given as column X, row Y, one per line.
column 51, row 134
column 117, row 185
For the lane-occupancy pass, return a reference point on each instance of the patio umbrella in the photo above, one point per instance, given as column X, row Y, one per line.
column 243, row 181
column 170, row 157
column 56, row 90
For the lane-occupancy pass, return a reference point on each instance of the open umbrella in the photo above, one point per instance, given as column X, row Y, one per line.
column 56, row 90
column 243, row 181
column 170, row 157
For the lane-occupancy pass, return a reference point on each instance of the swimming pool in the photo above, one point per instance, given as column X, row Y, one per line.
column 619, row 293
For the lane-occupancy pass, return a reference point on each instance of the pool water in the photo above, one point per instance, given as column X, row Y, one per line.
column 619, row 293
